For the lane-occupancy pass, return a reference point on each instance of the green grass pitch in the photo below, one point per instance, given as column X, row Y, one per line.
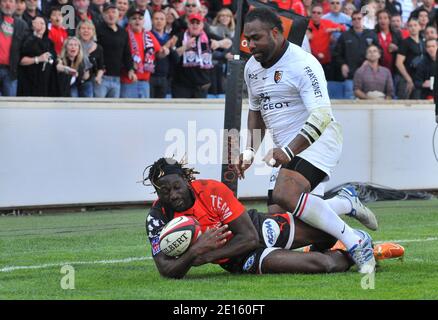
column 111, row 259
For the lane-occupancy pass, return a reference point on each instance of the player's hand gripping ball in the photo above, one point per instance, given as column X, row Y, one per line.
column 178, row 235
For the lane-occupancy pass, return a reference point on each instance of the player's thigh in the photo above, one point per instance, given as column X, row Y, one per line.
column 307, row 235
column 289, row 187
column 286, row 261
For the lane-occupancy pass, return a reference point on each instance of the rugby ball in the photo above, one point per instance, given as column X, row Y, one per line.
column 177, row 236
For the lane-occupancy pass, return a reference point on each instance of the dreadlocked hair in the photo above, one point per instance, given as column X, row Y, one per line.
column 165, row 166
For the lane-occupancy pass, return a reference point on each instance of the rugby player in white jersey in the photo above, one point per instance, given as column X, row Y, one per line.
column 288, row 95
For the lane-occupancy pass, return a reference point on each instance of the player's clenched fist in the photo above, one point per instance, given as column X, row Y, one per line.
column 276, row 157
column 245, row 160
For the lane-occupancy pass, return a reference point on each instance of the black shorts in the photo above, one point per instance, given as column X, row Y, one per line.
column 275, row 231
column 314, row 175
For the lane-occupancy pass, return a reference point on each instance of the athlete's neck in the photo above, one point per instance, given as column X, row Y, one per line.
column 277, row 56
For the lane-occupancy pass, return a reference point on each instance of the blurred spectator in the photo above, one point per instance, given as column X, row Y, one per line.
column 36, row 63
column 429, row 6
column 179, row 7
column 336, row 15
column 223, row 24
column 423, row 18
column 93, row 52
column 156, row 5
column 307, row 4
column 160, row 79
column 97, row 5
column 397, row 25
column 13, row 32
column 192, row 76
column 393, row 7
column 372, row 81
column 122, row 6
column 190, row 7
column 171, row 17
column 350, row 52
column 21, row 7
column 84, row 12
column 389, row 40
column 144, row 47
column 369, row 19
column 319, row 34
column 348, row 9
column 116, row 53
column 71, row 68
column 430, row 33
column 143, row 6
column 407, row 7
column 425, row 72
column 409, row 54
column 55, row 3
column 31, row 11
column 57, row 33
column 380, row 5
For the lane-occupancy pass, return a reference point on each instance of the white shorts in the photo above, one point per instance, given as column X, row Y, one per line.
column 324, row 154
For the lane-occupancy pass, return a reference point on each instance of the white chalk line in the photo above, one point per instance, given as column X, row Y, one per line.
column 132, row 259
column 60, row 264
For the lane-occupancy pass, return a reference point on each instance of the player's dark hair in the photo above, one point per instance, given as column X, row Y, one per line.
column 265, row 15
column 165, row 166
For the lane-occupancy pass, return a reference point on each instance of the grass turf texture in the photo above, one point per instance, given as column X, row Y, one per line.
column 119, row 234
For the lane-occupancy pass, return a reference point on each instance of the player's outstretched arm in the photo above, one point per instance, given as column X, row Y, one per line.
column 245, row 239
column 256, row 133
column 177, row 267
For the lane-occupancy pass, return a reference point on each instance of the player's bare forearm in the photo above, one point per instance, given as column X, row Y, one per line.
column 245, row 240
column 177, row 268
column 256, row 130
column 298, row 144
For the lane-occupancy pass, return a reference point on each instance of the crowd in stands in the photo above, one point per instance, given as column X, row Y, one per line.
column 369, row 49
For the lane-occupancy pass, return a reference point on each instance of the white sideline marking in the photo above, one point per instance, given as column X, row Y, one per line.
column 127, row 260
column 408, row 240
column 60, row 264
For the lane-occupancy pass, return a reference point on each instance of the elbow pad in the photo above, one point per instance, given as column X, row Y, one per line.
column 317, row 122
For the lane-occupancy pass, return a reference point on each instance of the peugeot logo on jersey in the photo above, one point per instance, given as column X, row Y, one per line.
column 277, row 76
column 271, row 231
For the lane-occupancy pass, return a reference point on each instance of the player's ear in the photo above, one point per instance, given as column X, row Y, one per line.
column 275, row 32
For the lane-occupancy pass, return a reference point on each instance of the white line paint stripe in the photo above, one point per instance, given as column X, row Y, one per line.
column 127, row 260
column 60, row 264
column 409, row 240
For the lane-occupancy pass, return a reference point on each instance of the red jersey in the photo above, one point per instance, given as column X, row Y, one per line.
column 6, row 31
column 215, row 205
column 320, row 42
column 58, row 36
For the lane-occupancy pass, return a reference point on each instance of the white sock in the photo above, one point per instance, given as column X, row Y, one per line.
column 317, row 213
column 340, row 205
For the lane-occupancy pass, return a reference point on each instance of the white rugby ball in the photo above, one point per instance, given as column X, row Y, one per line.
column 177, row 236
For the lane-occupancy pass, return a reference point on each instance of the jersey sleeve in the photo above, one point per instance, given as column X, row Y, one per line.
column 312, row 86
column 154, row 224
column 253, row 100
column 224, row 203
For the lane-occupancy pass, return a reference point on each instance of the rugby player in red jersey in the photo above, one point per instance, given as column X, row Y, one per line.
column 239, row 240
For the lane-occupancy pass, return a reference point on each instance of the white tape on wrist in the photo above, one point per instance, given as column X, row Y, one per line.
column 272, row 162
column 248, row 155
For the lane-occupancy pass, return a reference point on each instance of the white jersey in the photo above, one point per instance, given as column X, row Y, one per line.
column 286, row 93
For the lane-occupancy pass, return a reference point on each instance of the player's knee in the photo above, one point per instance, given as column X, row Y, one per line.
column 284, row 199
